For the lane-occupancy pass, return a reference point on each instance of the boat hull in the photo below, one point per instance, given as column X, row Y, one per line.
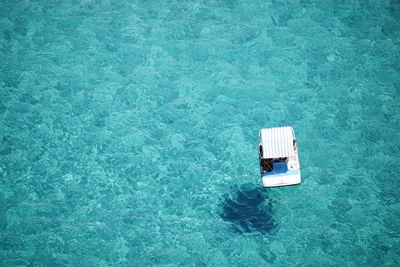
column 291, row 178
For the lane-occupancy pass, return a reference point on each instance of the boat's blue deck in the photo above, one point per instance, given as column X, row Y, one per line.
column 280, row 169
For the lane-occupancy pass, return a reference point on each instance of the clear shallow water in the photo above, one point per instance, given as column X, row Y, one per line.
column 129, row 132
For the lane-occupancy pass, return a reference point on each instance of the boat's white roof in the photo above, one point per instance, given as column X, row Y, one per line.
column 277, row 142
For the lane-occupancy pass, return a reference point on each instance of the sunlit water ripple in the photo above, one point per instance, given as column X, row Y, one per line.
column 129, row 130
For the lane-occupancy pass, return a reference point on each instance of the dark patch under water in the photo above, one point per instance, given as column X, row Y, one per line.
column 249, row 210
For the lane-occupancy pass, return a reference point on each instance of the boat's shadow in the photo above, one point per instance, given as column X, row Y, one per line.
column 249, row 210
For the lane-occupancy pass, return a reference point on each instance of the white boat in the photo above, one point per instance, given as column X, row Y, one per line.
column 279, row 160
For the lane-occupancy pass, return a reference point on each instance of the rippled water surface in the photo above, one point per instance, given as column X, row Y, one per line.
column 129, row 131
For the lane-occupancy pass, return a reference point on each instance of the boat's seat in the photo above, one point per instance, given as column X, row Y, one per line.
column 280, row 167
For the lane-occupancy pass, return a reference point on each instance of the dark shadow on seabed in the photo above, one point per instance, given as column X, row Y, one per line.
column 249, row 210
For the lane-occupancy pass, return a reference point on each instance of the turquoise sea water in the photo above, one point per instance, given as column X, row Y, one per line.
column 129, row 132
